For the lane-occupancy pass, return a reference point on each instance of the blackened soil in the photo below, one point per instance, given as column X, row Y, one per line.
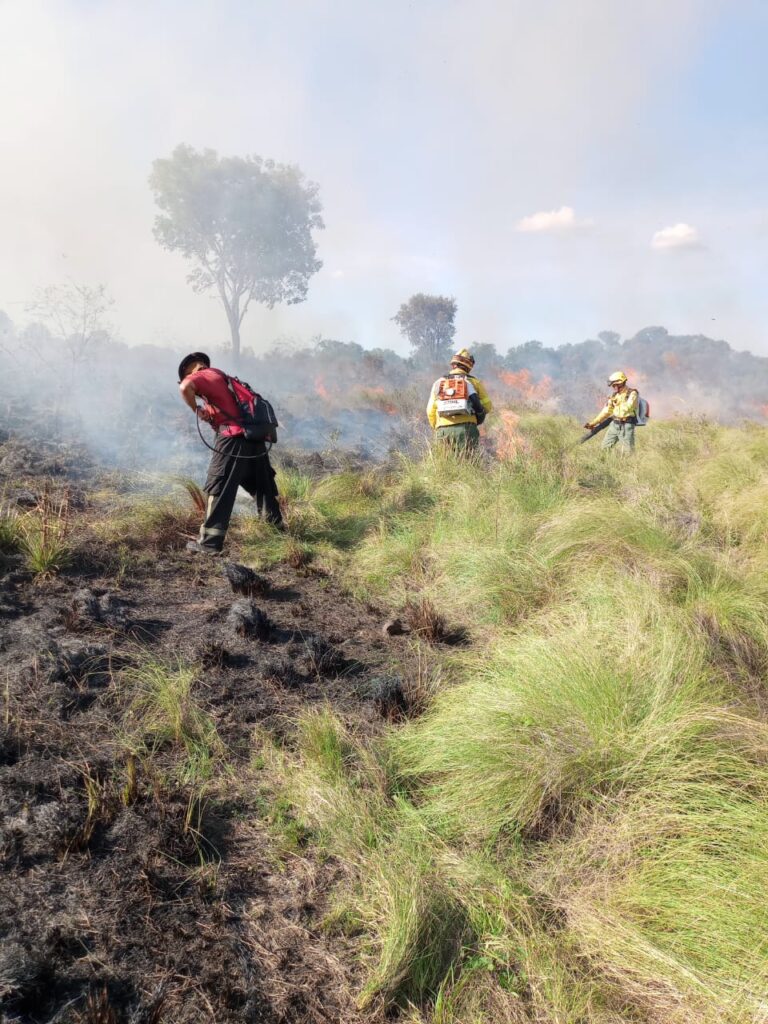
column 125, row 897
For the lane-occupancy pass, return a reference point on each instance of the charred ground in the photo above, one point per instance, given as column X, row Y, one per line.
column 147, row 876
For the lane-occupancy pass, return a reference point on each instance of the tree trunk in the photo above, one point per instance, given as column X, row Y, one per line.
column 234, row 328
column 232, row 308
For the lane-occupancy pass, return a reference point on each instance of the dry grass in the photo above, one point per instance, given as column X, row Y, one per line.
column 196, row 493
column 297, row 554
column 425, row 620
column 45, row 535
column 150, row 523
column 10, row 532
column 165, row 712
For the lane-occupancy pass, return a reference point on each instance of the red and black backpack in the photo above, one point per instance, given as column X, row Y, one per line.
column 257, row 416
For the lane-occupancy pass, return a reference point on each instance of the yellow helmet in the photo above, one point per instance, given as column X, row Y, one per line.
column 618, row 378
column 464, row 360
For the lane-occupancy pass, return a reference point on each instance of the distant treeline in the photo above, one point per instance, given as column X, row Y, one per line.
column 124, row 398
column 680, row 374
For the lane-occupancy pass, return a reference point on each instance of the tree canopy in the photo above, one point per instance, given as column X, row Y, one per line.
column 244, row 223
column 427, row 321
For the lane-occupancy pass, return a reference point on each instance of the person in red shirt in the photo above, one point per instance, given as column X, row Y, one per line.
column 235, row 463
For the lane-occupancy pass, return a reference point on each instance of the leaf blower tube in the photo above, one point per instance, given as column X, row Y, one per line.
column 595, row 430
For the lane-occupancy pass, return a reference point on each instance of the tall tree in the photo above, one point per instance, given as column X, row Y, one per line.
column 244, row 223
column 76, row 314
column 427, row 321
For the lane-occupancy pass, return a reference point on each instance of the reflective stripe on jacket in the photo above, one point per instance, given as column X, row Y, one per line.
column 435, row 420
column 619, row 406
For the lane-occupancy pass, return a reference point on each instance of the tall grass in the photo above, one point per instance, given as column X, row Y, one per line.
column 575, row 828
column 663, row 889
column 546, row 724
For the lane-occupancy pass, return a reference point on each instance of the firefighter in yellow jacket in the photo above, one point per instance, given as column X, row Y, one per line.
column 621, row 408
column 457, row 403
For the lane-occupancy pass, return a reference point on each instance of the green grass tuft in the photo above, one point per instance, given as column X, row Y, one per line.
column 164, row 712
column 44, row 536
column 11, row 537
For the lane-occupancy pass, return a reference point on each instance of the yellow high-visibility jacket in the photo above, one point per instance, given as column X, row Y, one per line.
column 436, row 421
column 620, row 406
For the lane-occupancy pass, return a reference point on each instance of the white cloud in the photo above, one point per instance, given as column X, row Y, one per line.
column 560, row 220
column 677, row 236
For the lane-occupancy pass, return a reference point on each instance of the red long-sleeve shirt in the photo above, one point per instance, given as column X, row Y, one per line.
column 211, row 386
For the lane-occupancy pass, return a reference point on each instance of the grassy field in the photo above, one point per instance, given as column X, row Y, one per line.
column 574, row 827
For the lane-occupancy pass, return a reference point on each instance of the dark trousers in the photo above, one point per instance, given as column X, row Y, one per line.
column 252, row 471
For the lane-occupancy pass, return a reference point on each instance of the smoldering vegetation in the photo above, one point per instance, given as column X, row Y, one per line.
column 121, row 401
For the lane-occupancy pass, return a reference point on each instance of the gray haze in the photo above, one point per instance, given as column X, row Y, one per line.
column 558, row 167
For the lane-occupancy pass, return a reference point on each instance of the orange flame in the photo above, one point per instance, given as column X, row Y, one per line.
column 321, row 389
column 380, row 399
column 525, row 387
column 671, row 360
column 510, row 443
column 636, row 378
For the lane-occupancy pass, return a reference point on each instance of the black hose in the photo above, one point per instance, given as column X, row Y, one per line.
column 231, row 456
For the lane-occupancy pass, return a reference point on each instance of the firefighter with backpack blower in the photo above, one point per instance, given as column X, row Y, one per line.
column 458, row 402
column 245, row 425
column 623, row 411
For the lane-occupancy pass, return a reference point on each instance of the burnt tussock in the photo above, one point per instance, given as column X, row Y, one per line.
column 245, row 581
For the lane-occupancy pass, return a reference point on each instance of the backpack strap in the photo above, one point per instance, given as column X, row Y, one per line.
column 228, row 380
column 229, row 421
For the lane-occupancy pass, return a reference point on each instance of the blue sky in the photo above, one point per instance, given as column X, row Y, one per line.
column 560, row 167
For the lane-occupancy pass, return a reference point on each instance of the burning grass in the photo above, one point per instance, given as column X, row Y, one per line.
column 196, row 493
